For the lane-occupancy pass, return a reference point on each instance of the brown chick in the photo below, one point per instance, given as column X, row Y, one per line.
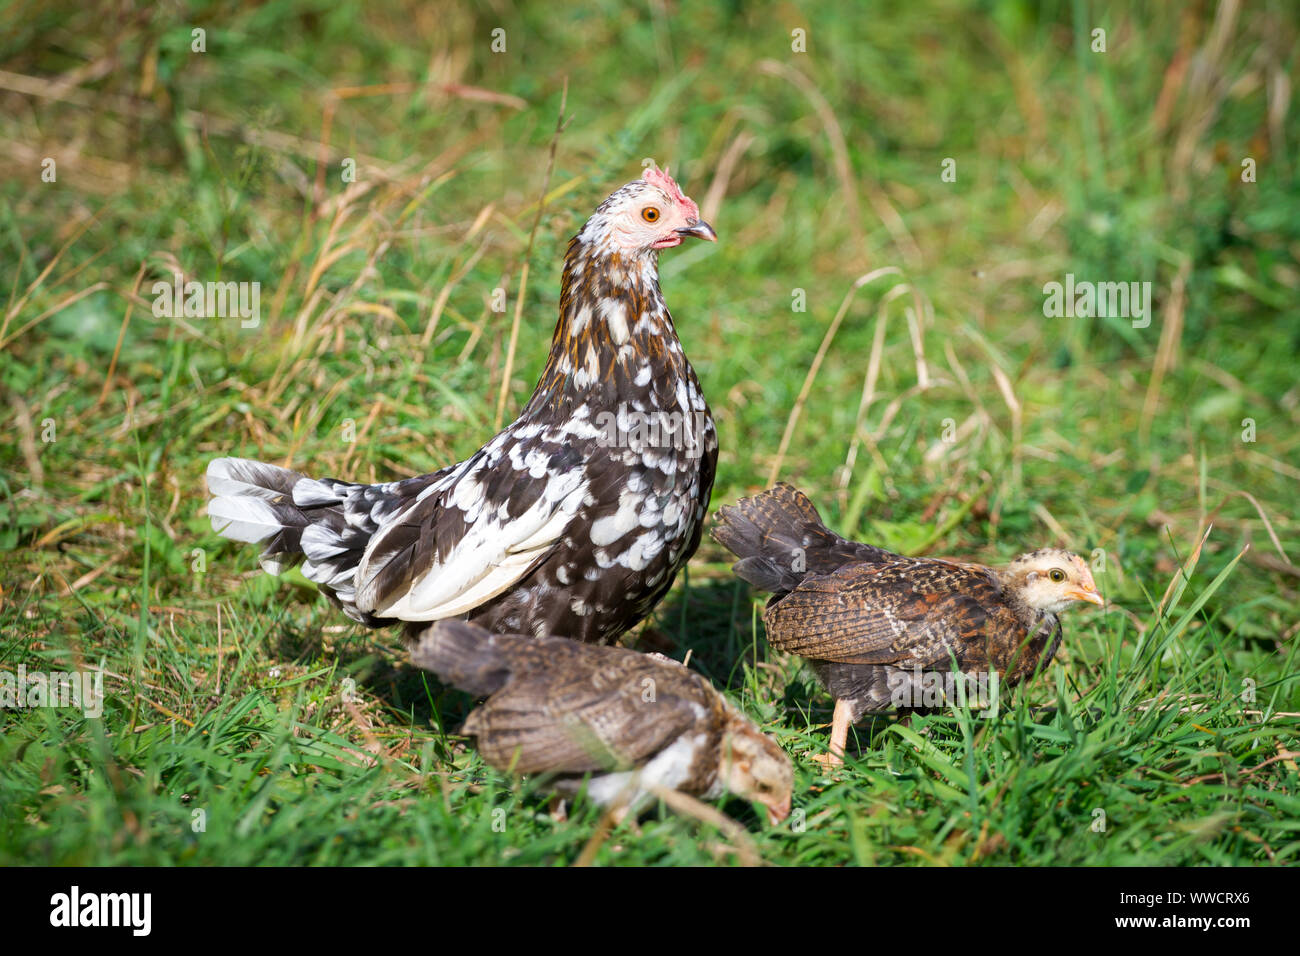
column 626, row 723
column 881, row 630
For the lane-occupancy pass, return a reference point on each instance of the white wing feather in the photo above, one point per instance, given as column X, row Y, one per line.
column 494, row 554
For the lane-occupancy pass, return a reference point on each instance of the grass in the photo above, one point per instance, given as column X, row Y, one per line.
column 245, row 722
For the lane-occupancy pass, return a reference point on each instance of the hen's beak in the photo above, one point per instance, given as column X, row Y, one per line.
column 1082, row 594
column 699, row 229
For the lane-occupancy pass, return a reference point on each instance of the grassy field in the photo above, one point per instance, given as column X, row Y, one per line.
column 891, row 202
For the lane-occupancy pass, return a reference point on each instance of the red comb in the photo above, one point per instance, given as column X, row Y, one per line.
column 659, row 177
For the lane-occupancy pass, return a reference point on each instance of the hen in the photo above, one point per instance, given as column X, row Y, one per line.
column 882, row 630
column 635, row 723
column 575, row 519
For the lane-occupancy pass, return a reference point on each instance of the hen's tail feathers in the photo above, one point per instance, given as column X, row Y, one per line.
column 465, row 655
column 253, row 502
column 296, row 519
column 779, row 538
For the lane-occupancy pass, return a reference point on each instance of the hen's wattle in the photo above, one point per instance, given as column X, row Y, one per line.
column 572, row 521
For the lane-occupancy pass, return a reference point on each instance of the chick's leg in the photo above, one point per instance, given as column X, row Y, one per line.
column 839, row 736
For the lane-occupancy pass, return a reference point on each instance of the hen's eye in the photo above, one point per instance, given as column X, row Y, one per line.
column 650, row 214
column 1057, row 575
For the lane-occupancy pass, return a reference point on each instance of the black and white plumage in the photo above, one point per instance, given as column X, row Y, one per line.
column 575, row 519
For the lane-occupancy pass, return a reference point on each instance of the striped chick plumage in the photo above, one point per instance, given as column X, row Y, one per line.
column 624, row 725
column 882, row 631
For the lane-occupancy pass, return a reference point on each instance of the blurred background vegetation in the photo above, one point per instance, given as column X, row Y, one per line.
column 815, row 138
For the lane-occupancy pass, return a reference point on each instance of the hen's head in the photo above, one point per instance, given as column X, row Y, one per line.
column 755, row 768
column 1050, row 580
column 645, row 216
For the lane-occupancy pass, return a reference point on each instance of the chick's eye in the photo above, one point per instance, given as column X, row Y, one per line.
column 1057, row 575
column 650, row 214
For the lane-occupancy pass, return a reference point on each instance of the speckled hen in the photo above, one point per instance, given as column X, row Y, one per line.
column 619, row 723
column 881, row 630
column 575, row 519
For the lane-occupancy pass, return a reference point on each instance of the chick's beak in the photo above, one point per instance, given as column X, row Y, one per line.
column 778, row 811
column 699, row 229
column 1086, row 594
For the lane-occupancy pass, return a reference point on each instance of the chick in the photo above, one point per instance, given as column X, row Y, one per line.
column 881, row 630
column 623, row 723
